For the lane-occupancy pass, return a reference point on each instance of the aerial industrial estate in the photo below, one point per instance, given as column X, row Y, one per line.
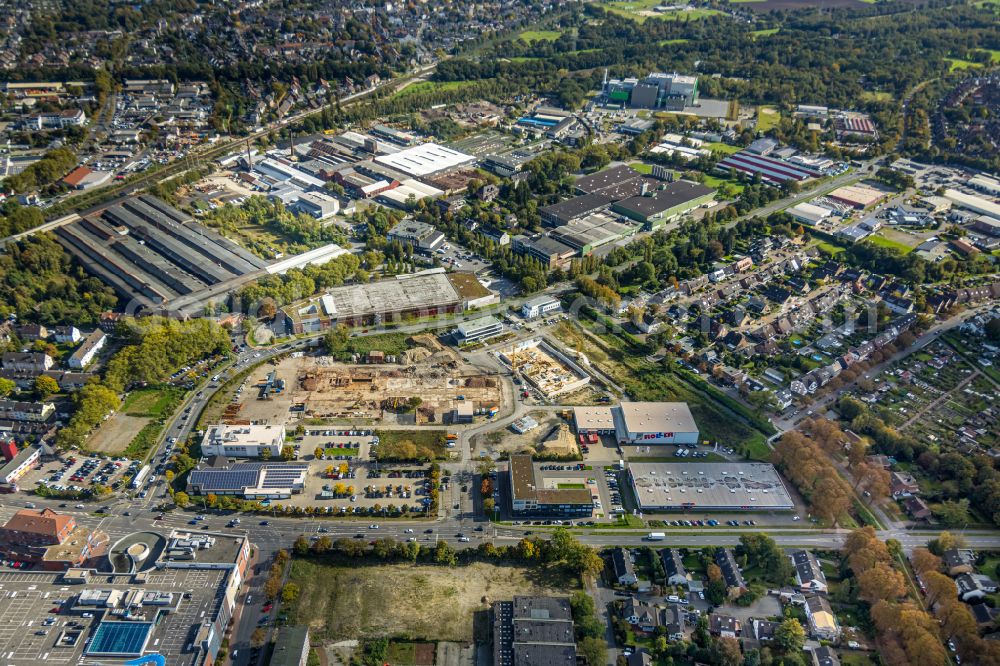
column 602, row 333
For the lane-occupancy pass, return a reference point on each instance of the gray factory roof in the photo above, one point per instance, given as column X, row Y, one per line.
column 607, row 178
column 575, row 207
column 709, row 485
column 675, row 194
column 594, row 230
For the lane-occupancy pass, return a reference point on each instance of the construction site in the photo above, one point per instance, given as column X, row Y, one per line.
column 544, row 367
column 427, row 384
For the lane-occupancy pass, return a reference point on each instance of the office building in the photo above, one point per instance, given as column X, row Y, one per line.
column 540, row 305
column 533, row 631
column 532, row 495
column 243, row 441
column 478, row 330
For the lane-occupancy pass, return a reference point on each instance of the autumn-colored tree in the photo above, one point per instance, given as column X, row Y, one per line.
column 881, row 581
column 864, row 550
column 924, row 560
column 939, row 587
column 728, row 651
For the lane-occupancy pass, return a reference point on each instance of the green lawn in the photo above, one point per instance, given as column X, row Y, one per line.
column 640, row 10
column 767, row 117
column 994, row 55
column 882, row 241
column 876, row 96
column 829, row 248
column 724, row 148
column 716, row 182
column 571, row 486
column 763, row 33
column 395, row 445
column 668, row 42
column 540, row 35
column 957, row 64
column 152, row 402
column 341, row 452
column 431, row 86
column 642, row 167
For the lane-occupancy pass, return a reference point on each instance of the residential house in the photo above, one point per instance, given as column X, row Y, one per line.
column 85, row 353
column 917, row 508
column 675, row 622
column 763, row 630
column 973, row 586
column 31, row 332
column 825, row 656
column 673, row 565
column 724, row 626
column 726, row 560
column 808, row 573
column 36, row 362
column 903, row 485
column 623, row 570
column 985, row 616
column 640, row 658
column 643, row 616
column 67, row 334
column 958, row 561
column 823, row 624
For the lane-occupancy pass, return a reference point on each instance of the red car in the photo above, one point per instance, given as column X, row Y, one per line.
column 267, row 607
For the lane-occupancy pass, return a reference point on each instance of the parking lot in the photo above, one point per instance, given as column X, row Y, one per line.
column 29, row 631
column 32, row 632
column 81, row 472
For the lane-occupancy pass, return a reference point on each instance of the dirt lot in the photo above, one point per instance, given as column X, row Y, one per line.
column 331, row 390
column 508, row 441
column 115, row 434
column 416, row 601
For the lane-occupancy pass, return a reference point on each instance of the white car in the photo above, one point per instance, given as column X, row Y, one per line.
column 373, row 526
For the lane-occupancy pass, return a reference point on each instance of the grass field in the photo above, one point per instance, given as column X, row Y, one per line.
column 882, row 240
column 540, row 35
column 723, row 148
column 151, row 402
column 716, row 182
column 136, row 426
column 876, row 96
column 406, row 601
column 767, row 117
column 957, row 64
column 431, row 86
column 392, row 443
column 668, row 42
column 829, row 248
column 994, row 55
column 640, row 10
column 642, row 167
column 764, row 33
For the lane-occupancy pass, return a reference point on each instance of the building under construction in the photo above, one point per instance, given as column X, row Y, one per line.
column 546, row 368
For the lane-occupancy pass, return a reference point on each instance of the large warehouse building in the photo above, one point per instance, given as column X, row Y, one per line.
column 423, row 294
column 640, row 422
column 708, row 487
column 658, row 206
column 425, row 160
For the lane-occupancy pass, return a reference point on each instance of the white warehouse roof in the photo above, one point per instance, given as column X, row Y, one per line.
column 425, row 159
